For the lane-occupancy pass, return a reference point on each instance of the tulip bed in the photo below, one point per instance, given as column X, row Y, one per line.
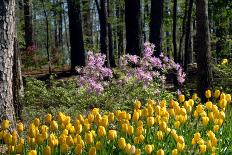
column 183, row 126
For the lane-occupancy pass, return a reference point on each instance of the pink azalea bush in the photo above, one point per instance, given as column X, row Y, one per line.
column 145, row 70
column 148, row 67
column 94, row 75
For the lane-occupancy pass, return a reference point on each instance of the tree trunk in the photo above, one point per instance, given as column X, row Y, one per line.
column 55, row 24
column 203, row 47
column 174, row 30
column 104, row 40
column 28, row 27
column 7, row 31
column 120, row 28
column 76, row 35
column 110, row 37
column 47, row 39
column 134, row 35
column 87, row 24
column 188, row 52
column 156, row 23
column 65, row 28
column 17, row 81
column 180, row 53
column 60, row 25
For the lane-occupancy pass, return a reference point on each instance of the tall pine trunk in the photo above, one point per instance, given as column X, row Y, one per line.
column 104, row 40
column 156, row 23
column 17, row 81
column 180, row 53
column 7, row 31
column 174, row 24
column 120, row 28
column 60, row 25
column 110, row 36
column 134, row 35
column 203, row 47
column 188, row 51
column 76, row 35
column 28, row 27
column 87, row 23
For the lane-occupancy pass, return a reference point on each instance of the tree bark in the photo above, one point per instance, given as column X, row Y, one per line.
column 104, row 40
column 28, row 27
column 180, row 53
column 188, row 52
column 17, row 81
column 7, row 34
column 156, row 23
column 60, row 25
column 120, row 28
column 47, row 39
column 87, row 23
column 76, row 35
column 134, row 35
column 174, row 30
column 110, row 37
column 203, row 47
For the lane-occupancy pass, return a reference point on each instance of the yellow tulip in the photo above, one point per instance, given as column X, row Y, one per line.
column 5, row 124
column 125, row 127
column 136, row 140
column 127, row 148
column 92, row 151
column 137, row 104
column 19, row 148
column 228, row 98
column 223, row 103
column 137, row 152
column 163, row 126
column 205, row 120
column 90, row 117
column 180, row 146
column 139, row 130
column 112, row 134
column 194, row 97
column 98, row 145
column 32, row 152
column 148, row 149
column 181, row 98
column 95, row 111
column 89, row 138
column 160, row 152
column 150, row 121
column 20, row 127
column 122, row 143
column 208, row 93
column 217, row 93
column 47, row 150
column 216, row 128
column 159, row 135
column 78, row 149
column 135, row 116
column 101, row 131
column 202, row 148
column 54, row 126
column 130, row 130
column 111, row 117
column 197, row 136
column 174, row 152
column 64, row 148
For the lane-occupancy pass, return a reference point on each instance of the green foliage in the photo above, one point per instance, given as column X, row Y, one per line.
column 67, row 95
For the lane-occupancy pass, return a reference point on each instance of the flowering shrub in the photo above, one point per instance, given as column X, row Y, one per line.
column 178, row 127
column 148, row 67
column 94, row 74
column 146, row 70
